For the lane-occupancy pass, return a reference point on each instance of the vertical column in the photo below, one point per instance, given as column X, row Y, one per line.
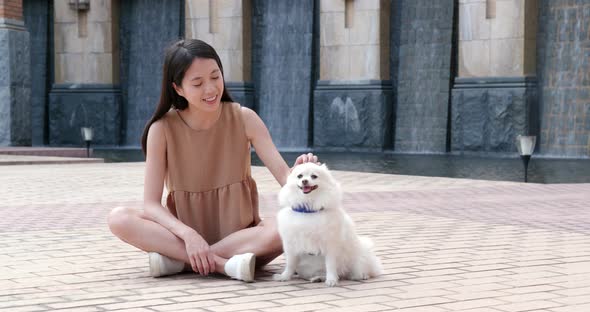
column 15, row 87
column 352, row 99
column 494, row 96
column 86, row 91
column 226, row 25
column 282, row 61
column 422, row 44
column 564, row 78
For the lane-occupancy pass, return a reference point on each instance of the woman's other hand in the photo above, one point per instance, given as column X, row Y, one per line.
column 303, row 158
column 199, row 253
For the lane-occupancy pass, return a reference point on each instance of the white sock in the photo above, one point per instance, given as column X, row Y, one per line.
column 241, row 267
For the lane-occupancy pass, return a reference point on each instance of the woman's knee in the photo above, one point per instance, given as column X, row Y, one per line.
column 119, row 219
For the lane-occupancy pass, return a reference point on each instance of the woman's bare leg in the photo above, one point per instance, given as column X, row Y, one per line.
column 262, row 240
column 133, row 227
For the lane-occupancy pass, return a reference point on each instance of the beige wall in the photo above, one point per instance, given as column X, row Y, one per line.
column 86, row 43
column 228, row 33
column 360, row 52
column 502, row 45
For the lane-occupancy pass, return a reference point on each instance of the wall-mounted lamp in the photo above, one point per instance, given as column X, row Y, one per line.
column 87, row 135
column 526, row 146
column 80, row 5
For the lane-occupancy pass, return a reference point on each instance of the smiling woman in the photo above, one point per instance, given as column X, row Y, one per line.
column 198, row 143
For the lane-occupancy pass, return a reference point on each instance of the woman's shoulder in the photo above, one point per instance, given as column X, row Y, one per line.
column 246, row 113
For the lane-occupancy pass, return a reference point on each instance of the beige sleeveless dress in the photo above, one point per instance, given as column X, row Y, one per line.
column 208, row 175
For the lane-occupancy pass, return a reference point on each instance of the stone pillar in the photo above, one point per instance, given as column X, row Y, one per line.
column 494, row 95
column 37, row 20
column 564, row 78
column 352, row 99
column 422, row 40
column 282, row 49
column 86, row 91
column 226, row 25
column 15, row 77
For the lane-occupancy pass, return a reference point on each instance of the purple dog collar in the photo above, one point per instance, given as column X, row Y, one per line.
column 304, row 208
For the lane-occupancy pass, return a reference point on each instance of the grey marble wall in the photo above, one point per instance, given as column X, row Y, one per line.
column 282, row 34
column 563, row 71
column 421, row 44
column 352, row 116
column 488, row 113
column 15, row 85
column 38, row 21
column 73, row 106
column 241, row 92
column 146, row 28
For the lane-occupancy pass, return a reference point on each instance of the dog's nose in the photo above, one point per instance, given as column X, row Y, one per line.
column 304, row 182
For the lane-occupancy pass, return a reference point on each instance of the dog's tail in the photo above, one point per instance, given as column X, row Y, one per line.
column 371, row 258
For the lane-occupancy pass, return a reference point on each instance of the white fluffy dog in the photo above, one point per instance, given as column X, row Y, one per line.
column 318, row 236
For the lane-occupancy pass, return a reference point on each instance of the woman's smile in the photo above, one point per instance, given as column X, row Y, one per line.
column 210, row 100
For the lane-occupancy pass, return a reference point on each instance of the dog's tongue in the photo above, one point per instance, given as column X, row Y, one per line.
column 307, row 189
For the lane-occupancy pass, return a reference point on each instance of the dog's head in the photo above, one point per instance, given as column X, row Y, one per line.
column 312, row 185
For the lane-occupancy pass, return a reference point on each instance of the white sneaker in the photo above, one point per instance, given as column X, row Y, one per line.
column 241, row 267
column 161, row 265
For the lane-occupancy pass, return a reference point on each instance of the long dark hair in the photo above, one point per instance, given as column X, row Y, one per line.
column 178, row 59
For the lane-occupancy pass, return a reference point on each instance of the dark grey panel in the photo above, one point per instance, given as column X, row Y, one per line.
column 282, row 68
column 421, row 45
column 15, row 86
column 146, row 28
column 563, row 67
column 488, row 113
column 241, row 92
column 72, row 106
column 352, row 116
column 37, row 17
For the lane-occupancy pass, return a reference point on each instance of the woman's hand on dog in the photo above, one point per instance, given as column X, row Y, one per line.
column 199, row 254
column 303, row 158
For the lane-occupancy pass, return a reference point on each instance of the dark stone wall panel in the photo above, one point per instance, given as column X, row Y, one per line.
column 563, row 71
column 282, row 68
column 147, row 27
column 37, row 19
column 74, row 106
column 421, row 45
column 488, row 113
column 352, row 116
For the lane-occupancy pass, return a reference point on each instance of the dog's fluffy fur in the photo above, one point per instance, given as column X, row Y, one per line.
column 320, row 244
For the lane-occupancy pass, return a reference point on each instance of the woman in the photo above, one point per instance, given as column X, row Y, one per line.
column 198, row 143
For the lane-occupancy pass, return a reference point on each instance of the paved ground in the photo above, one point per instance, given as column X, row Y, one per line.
column 446, row 245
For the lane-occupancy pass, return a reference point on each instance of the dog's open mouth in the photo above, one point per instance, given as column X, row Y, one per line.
column 308, row 188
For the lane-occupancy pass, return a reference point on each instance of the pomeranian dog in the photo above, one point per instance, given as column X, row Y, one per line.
column 318, row 236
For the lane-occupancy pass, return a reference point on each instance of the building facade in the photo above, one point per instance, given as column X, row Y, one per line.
column 408, row 76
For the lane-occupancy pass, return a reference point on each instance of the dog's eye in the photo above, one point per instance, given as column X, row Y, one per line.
column 313, row 176
column 300, row 176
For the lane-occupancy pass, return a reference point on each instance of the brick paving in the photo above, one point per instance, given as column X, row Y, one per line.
column 446, row 245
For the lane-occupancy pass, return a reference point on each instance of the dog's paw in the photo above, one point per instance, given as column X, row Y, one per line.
column 281, row 277
column 359, row 277
column 317, row 279
column 331, row 282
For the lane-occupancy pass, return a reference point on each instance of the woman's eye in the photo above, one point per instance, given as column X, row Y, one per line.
column 300, row 176
column 313, row 176
column 197, row 85
column 215, row 78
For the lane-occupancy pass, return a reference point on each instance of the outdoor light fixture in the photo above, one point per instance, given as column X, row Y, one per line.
column 87, row 137
column 526, row 146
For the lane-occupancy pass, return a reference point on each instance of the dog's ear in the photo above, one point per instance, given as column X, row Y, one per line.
column 324, row 166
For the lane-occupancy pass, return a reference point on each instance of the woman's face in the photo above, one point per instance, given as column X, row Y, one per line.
column 202, row 85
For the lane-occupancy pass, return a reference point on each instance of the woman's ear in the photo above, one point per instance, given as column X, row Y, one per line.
column 178, row 89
